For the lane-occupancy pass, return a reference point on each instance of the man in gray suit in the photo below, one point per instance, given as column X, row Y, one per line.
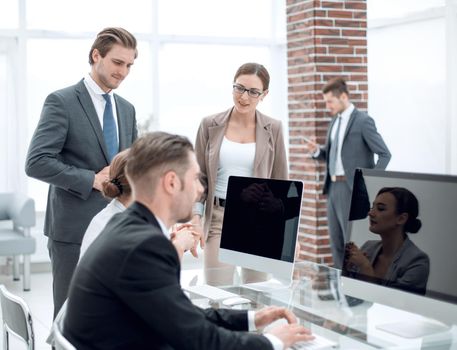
column 80, row 130
column 352, row 141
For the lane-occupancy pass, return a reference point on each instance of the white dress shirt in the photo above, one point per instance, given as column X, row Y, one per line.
column 99, row 102
column 339, row 170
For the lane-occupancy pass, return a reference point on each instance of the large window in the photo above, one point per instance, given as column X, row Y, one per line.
column 188, row 54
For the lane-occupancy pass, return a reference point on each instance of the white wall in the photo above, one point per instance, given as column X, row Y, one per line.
column 407, row 96
column 412, row 55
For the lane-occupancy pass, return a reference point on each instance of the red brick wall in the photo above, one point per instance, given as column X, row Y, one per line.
column 324, row 39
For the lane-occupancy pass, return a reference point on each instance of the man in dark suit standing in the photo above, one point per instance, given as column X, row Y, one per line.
column 352, row 142
column 80, row 130
column 126, row 290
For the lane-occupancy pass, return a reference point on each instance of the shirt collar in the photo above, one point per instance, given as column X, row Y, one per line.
column 163, row 227
column 347, row 112
column 94, row 86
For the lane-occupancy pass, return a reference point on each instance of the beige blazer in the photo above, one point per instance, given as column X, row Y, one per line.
column 270, row 159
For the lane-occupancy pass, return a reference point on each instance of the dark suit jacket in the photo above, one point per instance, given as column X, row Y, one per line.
column 126, row 294
column 66, row 151
column 361, row 141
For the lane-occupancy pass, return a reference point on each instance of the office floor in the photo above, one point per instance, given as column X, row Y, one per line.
column 39, row 300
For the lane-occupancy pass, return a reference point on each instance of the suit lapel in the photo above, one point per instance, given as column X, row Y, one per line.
column 329, row 136
column 262, row 138
column 91, row 114
column 216, row 134
column 350, row 122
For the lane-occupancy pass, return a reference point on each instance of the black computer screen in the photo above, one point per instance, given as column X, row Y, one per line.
column 427, row 263
column 261, row 217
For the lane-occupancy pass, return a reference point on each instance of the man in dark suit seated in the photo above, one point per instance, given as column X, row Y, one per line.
column 126, row 292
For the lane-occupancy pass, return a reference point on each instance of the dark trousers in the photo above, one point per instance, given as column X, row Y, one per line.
column 64, row 257
column 338, row 206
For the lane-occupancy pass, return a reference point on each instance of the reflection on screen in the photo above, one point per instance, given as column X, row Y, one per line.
column 403, row 232
column 261, row 217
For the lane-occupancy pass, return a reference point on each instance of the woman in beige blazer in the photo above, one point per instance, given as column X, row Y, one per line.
column 240, row 141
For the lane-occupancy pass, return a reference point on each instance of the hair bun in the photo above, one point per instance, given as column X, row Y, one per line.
column 413, row 226
column 112, row 189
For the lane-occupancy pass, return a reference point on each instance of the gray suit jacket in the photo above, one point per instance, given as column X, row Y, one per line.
column 361, row 141
column 409, row 269
column 66, row 151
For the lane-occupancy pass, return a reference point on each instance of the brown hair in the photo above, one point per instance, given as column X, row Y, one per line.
column 256, row 69
column 336, row 86
column 117, row 185
column 110, row 36
column 156, row 153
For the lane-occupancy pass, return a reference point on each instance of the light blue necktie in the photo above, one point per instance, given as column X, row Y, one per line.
column 109, row 128
column 334, row 149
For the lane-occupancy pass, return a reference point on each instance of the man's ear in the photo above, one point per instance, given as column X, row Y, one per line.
column 344, row 96
column 170, row 182
column 96, row 55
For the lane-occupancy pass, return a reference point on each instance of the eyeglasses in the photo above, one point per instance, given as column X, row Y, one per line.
column 240, row 89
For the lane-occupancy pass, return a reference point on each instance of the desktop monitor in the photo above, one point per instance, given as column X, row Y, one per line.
column 422, row 277
column 260, row 225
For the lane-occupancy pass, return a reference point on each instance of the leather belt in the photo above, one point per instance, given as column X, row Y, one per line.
column 219, row 201
column 337, row 178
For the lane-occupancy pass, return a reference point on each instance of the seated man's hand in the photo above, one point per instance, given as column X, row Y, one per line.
column 198, row 226
column 187, row 238
column 291, row 333
column 270, row 314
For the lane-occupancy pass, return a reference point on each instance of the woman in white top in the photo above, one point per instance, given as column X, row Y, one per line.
column 118, row 190
column 239, row 141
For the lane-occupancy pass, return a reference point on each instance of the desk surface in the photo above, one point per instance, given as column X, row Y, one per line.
column 315, row 298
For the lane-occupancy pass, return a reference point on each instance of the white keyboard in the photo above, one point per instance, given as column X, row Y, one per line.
column 210, row 292
column 318, row 343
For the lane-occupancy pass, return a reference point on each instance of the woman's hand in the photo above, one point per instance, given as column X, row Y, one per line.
column 358, row 258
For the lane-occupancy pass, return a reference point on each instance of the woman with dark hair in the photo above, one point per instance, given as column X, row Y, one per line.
column 239, row 141
column 394, row 260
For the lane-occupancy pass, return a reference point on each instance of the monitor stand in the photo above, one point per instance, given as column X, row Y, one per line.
column 414, row 328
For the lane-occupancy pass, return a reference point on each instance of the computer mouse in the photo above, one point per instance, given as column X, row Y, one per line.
column 235, row 301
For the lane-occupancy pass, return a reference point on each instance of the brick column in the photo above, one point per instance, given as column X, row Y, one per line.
column 325, row 39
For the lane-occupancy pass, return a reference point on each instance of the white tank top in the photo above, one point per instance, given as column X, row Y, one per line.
column 234, row 159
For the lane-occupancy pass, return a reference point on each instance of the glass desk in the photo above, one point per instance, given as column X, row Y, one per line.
column 315, row 298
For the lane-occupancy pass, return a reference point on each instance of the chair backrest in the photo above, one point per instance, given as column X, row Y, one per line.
column 19, row 208
column 17, row 319
column 60, row 342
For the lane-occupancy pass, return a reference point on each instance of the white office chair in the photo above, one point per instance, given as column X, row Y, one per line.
column 57, row 338
column 17, row 319
column 16, row 240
